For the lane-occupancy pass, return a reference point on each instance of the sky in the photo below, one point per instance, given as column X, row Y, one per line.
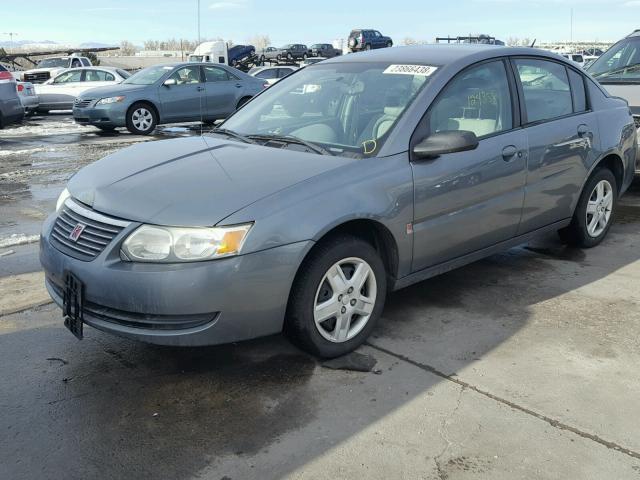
column 286, row 21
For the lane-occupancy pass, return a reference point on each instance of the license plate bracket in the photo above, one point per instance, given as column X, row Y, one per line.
column 72, row 304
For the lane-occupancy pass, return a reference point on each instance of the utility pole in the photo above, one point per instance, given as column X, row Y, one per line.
column 11, row 35
column 571, row 38
column 198, row 22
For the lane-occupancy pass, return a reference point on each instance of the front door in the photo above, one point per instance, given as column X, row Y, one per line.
column 561, row 132
column 467, row 201
column 184, row 100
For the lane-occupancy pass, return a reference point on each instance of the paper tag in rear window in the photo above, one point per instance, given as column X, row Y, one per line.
column 425, row 70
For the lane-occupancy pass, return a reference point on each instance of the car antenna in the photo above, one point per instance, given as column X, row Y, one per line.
column 533, row 43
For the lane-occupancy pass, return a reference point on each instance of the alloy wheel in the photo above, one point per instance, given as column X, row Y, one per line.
column 142, row 119
column 345, row 299
column 599, row 208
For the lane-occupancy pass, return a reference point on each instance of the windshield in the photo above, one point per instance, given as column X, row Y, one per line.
column 621, row 63
column 54, row 63
column 148, row 76
column 346, row 108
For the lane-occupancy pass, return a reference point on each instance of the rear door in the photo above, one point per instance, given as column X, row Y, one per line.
column 223, row 91
column 467, row 201
column 561, row 129
column 184, row 101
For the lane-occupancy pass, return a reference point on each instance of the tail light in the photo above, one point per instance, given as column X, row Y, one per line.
column 20, row 87
column 4, row 75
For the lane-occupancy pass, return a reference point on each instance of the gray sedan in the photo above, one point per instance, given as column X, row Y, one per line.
column 346, row 180
column 173, row 93
column 11, row 109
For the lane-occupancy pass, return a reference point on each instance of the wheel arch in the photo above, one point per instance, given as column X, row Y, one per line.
column 613, row 162
column 150, row 103
column 373, row 232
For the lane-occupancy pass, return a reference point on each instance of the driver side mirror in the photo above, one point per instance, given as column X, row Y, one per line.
column 441, row 143
column 170, row 81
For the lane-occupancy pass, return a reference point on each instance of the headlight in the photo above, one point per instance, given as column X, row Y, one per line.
column 150, row 243
column 108, row 100
column 62, row 198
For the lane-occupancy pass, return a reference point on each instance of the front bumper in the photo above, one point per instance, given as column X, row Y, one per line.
column 113, row 115
column 190, row 304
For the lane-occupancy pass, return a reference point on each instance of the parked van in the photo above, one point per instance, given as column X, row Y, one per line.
column 618, row 71
column 220, row 52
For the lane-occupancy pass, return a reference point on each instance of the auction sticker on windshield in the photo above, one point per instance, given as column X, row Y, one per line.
column 425, row 70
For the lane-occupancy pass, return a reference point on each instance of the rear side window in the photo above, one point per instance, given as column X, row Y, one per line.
column 98, row 76
column 283, row 72
column 69, row 77
column 546, row 89
column 578, row 91
column 477, row 100
column 86, row 62
column 269, row 73
column 215, row 74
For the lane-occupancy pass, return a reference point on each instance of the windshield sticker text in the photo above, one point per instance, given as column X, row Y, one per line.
column 425, row 70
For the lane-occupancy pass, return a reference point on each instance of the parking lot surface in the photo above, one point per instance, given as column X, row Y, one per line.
column 518, row 366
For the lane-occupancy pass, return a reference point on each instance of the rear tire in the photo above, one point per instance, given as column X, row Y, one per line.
column 367, row 47
column 389, row 44
column 142, row 119
column 595, row 211
column 318, row 283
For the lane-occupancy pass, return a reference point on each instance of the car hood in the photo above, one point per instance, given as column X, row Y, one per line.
column 195, row 181
column 112, row 90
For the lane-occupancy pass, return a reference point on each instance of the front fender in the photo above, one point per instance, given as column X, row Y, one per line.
column 378, row 189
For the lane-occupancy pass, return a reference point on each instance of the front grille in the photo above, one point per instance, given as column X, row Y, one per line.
column 39, row 77
column 98, row 231
column 637, row 120
column 82, row 103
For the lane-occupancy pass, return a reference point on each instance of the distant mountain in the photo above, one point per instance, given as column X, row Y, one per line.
column 48, row 44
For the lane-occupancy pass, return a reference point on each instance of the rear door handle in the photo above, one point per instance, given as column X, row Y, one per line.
column 509, row 152
column 583, row 130
column 238, row 85
column 200, row 89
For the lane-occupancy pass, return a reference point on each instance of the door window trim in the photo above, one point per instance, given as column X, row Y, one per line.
column 523, row 108
column 420, row 132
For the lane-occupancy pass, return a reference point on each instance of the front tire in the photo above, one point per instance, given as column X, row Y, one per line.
column 142, row 119
column 337, row 297
column 595, row 211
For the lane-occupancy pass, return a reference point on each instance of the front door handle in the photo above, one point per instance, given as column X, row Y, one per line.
column 509, row 152
column 200, row 89
column 238, row 85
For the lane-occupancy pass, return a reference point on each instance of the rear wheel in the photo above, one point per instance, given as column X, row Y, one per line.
column 289, row 57
column 389, row 44
column 367, row 47
column 595, row 211
column 141, row 119
column 337, row 297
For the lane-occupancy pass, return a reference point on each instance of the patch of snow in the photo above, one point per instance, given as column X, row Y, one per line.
column 18, row 239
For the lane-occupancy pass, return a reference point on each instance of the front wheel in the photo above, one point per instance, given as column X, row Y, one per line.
column 289, row 57
column 304, row 56
column 337, row 297
column 595, row 211
column 141, row 119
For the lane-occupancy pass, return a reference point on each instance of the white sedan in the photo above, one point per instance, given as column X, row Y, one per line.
column 272, row 74
column 60, row 92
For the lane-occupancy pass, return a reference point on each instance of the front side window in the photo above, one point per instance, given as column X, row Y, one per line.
column 186, row 75
column 546, row 89
column 215, row 74
column 478, row 100
column 69, row 77
column 348, row 108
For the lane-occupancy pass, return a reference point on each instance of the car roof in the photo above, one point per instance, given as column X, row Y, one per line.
column 439, row 54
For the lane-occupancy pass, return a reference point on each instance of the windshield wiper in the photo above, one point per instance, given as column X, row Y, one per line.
column 291, row 139
column 232, row 134
column 608, row 73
